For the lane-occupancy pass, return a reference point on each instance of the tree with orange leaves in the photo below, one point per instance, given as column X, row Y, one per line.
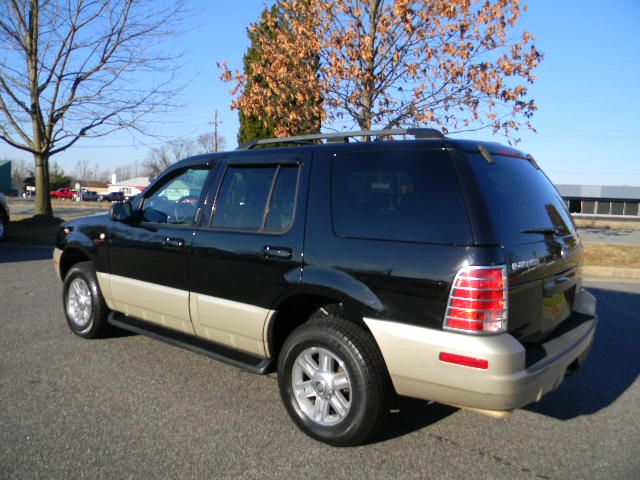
column 453, row 64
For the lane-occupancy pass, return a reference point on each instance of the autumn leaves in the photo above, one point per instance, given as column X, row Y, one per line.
column 454, row 64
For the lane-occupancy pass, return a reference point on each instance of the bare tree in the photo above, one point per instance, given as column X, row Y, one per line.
column 161, row 158
column 209, row 142
column 123, row 172
column 83, row 170
column 72, row 69
column 19, row 171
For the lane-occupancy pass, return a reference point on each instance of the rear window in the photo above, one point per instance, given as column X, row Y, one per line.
column 401, row 195
column 520, row 198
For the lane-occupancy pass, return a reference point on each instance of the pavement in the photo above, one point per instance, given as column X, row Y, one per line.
column 66, row 209
column 618, row 236
column 131, row 407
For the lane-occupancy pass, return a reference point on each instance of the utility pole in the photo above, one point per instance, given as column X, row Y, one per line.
column 215, row 124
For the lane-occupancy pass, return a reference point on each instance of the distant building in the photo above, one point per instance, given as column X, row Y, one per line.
column 130, row 187
column 603, row 200
column 95, row 186
column 5, row 176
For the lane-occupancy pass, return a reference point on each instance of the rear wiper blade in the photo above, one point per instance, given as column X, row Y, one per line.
column 544, row 230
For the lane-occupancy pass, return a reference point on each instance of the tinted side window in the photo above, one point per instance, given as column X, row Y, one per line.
column 175, row 202
column 400, row 195
column 243, row 197
column 283, row 198
column 245, row 192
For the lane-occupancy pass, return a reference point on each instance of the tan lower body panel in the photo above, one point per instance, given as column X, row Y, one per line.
column 238, row 325
column 105, row 287
column 153, row 303
column 57, row 253
column 412, row 357
column 234, row 324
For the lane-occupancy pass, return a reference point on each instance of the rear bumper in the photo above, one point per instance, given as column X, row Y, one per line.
column 511, row 379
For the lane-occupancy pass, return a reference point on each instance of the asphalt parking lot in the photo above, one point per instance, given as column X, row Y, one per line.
column 619, row 236
column 66, row 209
column 131, row 407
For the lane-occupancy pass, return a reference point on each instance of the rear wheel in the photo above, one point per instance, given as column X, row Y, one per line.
column 333, row 381
column 84, row 305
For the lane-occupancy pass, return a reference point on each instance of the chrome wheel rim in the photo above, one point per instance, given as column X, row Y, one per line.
column 321, row 386
column 79, row 303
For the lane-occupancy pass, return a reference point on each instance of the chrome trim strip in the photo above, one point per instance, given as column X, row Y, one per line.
column 480, row 289
column 471, row 299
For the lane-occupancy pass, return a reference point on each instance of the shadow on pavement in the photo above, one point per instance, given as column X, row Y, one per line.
column 609, row 232
column 411, row 415
column 10, row 253
column 613, row 364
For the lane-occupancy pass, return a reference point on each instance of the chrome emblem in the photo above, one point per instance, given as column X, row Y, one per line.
column 524, row 264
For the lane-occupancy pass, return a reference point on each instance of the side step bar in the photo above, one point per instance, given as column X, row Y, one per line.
column 216, row 351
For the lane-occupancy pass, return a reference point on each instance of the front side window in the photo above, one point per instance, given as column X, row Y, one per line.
column 257, row 198
column 175, row 202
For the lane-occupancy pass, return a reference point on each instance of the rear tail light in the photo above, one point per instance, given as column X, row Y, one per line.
column 478, row 301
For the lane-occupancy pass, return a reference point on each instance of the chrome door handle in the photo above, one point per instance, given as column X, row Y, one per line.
column 173, row 243
column 282, row 253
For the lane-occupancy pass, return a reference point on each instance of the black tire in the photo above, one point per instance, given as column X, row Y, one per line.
column 4, row 225
column 96, row 324
column 369, row 393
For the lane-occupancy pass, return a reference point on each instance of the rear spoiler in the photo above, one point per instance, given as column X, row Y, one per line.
column 505, row 152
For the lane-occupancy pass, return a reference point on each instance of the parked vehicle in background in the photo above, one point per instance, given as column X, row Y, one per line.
column 439, row 269
column 4, row 216
column 64, row 192
column 87, row 196
column 111, row 197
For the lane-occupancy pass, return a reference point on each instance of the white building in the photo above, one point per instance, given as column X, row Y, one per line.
column 130, row 187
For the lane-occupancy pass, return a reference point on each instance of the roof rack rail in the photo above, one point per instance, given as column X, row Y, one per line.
column 343, row 137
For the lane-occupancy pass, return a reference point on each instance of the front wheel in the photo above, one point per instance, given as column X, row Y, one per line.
column 333, row 381
column 84, row 305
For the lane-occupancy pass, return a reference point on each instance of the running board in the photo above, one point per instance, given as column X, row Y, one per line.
column 216, row 351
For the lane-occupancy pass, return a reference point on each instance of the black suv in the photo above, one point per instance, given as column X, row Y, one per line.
column 111, row 197
column 435, row 268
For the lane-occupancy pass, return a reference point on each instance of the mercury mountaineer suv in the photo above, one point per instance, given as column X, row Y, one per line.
column 441, row 269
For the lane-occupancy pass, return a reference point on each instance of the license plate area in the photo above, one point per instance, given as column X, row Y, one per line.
column 557, row 308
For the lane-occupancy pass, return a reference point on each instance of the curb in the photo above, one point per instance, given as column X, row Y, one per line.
column 611, row 273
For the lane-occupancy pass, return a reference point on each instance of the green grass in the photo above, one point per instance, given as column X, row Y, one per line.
column 608, row 255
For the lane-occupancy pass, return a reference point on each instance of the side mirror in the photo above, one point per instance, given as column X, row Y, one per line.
column 120, row 212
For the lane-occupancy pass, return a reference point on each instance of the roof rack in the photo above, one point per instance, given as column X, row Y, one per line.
column 343, row 137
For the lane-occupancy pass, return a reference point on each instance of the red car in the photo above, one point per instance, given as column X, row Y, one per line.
column 63, row 193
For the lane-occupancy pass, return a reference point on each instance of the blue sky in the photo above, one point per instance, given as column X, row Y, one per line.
column 587, row 91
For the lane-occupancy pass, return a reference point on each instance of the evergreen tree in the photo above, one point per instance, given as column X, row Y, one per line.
column 254, row 127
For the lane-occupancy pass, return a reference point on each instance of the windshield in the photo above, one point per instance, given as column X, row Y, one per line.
column 521, row 199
